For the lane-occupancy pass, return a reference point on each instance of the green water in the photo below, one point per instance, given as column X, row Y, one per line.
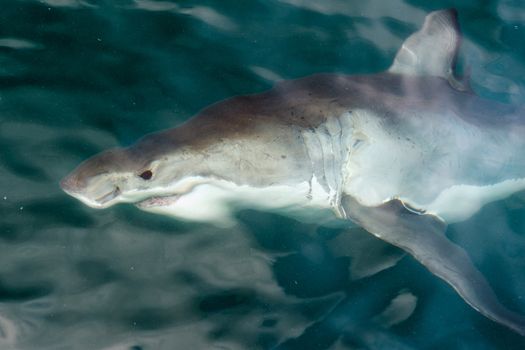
column 80, row 76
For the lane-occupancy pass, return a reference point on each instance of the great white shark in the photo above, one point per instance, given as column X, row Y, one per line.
column 401, row 153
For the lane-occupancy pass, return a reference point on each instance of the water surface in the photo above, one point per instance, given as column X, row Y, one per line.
column 80, row 76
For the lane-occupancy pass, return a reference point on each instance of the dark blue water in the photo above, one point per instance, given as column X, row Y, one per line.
column 80, row 76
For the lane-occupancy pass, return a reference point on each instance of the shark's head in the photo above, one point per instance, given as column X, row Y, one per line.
column 197, row 172
column 156, row 183
column 114, row 176
column 156, row 166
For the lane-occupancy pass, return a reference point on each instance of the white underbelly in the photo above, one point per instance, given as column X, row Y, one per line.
column 460, row 202
column 217, row 200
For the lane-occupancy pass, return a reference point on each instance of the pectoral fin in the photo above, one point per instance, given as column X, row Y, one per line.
column 423, row 237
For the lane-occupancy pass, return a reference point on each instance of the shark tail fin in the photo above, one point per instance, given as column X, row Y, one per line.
column 433, row 49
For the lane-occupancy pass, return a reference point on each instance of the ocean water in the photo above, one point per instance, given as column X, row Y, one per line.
column 80, row 76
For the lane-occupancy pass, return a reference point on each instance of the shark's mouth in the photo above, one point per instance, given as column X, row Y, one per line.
column 159, row 201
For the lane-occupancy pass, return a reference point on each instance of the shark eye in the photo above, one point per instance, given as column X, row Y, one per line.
column 146, row 175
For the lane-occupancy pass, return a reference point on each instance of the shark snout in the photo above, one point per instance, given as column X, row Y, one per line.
column 96, row 198
column 70, row 184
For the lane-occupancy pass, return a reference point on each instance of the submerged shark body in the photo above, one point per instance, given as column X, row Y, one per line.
column 400, row 153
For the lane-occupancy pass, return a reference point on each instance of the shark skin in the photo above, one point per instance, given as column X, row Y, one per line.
column 402, row 153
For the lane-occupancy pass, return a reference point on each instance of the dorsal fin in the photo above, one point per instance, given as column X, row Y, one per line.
column 433, row 49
